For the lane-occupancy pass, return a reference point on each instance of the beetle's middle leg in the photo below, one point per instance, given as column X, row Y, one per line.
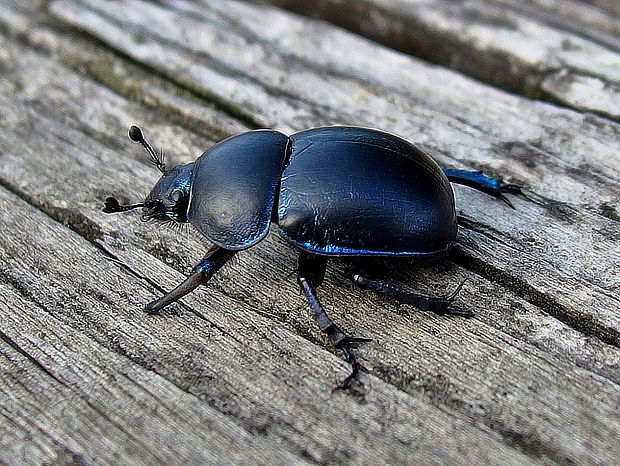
column 310, row 273
column 426, row 303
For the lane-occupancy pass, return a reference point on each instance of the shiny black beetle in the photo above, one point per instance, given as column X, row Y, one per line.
column 333, row 191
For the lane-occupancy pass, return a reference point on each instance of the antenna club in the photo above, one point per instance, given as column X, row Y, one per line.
column 135, row 134
column 112, row 206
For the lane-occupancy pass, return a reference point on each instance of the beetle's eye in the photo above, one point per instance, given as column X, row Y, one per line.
column 176, row 195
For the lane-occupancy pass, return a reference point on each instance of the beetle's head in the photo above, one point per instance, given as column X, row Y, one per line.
column 169, row 198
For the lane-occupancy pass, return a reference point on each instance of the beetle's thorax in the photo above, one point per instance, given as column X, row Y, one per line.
column 169, row 198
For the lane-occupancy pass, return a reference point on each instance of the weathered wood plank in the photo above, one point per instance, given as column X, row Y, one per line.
column 79, row 401
column 568, row 53
column 475, row 388
column 514, row 385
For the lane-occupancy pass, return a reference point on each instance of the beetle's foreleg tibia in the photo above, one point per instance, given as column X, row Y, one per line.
column 185, row 287
column 214, row 260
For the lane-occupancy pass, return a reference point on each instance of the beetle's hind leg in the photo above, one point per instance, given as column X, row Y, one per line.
column 434, row 304
column 478, row 180
column 310, row 273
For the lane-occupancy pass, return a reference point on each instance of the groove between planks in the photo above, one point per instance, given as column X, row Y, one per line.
column 565, row 53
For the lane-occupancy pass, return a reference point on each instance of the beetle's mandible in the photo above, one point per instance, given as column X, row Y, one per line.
column 332, row 191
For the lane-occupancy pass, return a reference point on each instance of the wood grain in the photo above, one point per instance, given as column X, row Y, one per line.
column 238, row 372
column 561, row 51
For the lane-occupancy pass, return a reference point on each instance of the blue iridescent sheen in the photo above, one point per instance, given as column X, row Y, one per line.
column 168, row 199
column 474, row 179
column 206, row 266
column 177, row 178
column 183, row 183
column 331, row 250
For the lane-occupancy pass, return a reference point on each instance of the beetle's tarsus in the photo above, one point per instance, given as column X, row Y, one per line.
column 343, row 341
column 356, row 368
column 511, row 188
column 504, row 199
column 478, row 180
column 456, row 292
column 440, row 306
column 353, row 342
column 445, row 310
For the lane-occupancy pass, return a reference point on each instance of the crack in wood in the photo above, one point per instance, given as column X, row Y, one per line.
column 13, row 344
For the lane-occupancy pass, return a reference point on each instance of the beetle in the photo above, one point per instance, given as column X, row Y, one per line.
column 338, row 191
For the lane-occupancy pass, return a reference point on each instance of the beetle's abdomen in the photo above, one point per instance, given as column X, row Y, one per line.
column 356, row 191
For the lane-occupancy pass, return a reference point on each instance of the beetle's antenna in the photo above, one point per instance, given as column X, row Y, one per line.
column 112, row 206
column 136, row 135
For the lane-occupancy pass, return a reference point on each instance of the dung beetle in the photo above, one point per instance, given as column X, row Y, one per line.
column 332, row 191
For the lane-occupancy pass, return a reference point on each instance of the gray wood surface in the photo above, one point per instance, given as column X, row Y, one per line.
column 557, row 50
column 238, row 372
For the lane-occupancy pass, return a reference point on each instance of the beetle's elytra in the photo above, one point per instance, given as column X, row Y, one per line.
column 332, row 191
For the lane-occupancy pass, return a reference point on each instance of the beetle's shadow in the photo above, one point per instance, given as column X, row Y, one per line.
column 396, row 270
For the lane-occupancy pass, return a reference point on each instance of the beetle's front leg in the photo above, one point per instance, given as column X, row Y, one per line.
column 310, row 273
column 215, row 258
column 478, row 180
